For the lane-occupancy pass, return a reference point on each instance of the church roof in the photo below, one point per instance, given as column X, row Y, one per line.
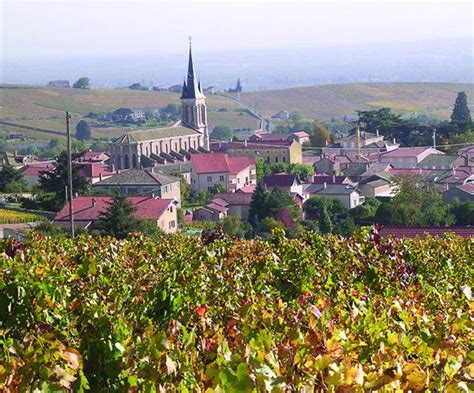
column 154, row 133
column 191, row 86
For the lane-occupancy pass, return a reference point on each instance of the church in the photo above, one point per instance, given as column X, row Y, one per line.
column 149, row 147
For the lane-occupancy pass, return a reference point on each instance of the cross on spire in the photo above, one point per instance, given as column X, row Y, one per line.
column 190, row 39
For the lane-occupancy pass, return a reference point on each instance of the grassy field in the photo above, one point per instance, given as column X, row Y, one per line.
column 44, row 108
column 324, row 102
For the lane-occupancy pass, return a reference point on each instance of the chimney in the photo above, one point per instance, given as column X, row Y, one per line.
column 100, row 176
column 377, row 132
column 245, row 142
column 394, row 141
column 334, row 178
column 325, row 185
column 93, row 202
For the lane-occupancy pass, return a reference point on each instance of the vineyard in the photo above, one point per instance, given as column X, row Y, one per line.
column 16, row 217
column 219, row 314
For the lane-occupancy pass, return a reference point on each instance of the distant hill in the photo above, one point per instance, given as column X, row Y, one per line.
column 326, row 101
column 38, row 112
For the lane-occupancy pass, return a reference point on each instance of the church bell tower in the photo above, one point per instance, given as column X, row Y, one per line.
column 193, row 103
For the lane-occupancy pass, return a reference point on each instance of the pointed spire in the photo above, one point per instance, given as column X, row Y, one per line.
column 191, row 89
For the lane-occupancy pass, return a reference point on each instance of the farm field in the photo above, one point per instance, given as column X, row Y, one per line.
column 220, row 314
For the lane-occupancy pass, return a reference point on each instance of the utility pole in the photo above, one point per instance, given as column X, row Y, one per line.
column 434, row 138
column 358, row 155
column 69, row 174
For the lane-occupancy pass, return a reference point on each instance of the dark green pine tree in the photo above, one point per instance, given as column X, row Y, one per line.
column 11, row 181
column 118, row 220
column 55, row 182
column 257, row 205
column 461, row 115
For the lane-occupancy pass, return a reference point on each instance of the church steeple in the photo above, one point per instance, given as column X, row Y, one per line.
column 191, row 87
column 193, row 103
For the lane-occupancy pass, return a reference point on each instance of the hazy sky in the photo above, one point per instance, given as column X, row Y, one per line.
column 77, row 28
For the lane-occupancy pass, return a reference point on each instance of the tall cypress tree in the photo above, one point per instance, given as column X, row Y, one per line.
column 257, row 205
column 461, row 115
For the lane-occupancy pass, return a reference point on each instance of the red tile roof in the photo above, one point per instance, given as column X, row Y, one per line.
column 35, row 169
column 468, row 187
column 407, row 152
column 247, row 189
column 88, row 208
column 421, row 232
column 280, row 180
column 93, row 156
column 91, row 170
column 233, row 198
column 220, row 163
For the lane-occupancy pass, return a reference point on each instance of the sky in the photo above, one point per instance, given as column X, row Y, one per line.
column 70, row 28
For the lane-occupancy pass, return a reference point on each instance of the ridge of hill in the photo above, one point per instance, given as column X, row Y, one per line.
column 35, row 110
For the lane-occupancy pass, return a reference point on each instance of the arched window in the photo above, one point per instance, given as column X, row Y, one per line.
column 119, row 162
column 126, row 162
column 134, row 161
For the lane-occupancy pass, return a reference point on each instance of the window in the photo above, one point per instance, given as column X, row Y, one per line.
column 283, row 159
column 221, row 178
column 172, row 224
column 276, row 159
column 209, row 188
column 246, row 180
column 171, row 209
column 268, row 159
column 238, row 180
column 209, row 179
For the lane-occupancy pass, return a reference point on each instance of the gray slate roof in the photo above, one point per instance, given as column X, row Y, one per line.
column 155, row 133
column 137, row 177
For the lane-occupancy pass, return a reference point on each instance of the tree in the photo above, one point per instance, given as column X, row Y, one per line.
column 279, row 167
column 81, row 83
column 330, row 215
column 415, row 204
column 135, row 86
column 366, row 212
column 118, row 219
column 461, row 115
column 259, row 168
column 217, row 188
column 295, row 116
column 321, row 137
column 257, row 205
column 234, row 226
column 83, row 131
column 302, row 171
column 223, row 133
column 463, row 212
column 277, row 200
column 11, row 181
column 55, row 182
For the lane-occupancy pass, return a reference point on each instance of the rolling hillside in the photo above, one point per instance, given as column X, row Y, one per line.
column 326, row 101
column 38, row 113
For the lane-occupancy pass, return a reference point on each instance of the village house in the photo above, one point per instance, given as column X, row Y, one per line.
column 88, row 211
column 377, row 186
column 462, row 192
column 236, row 204
column 32, row 172
column 467, row 155
column 349, row 142
column 142, row 182
column 94, row 172
column 300, row 136
column 232, row 172
column 286, row 182
column 348, row 195
column 287, row 151
column 441, row 161
column 97, row 157
column 407, row 157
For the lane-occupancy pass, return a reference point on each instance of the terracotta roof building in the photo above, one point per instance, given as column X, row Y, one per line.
column 232, row 172
column 88, row 210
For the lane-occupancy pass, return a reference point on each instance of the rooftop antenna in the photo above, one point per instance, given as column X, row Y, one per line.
column 69, row 174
